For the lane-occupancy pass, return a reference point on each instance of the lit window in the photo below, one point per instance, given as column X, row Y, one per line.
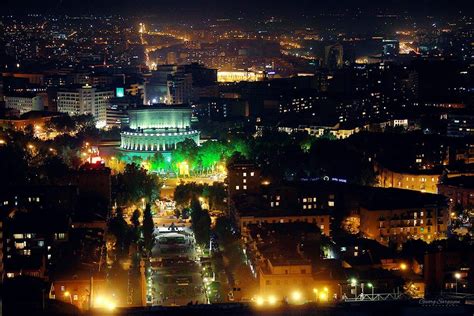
column 10, row 275
column 237, row 187
column 245, row 187
column 244, row 174
column 331, row 203
column 244, row 181
column 305, row 200
column 252, row 174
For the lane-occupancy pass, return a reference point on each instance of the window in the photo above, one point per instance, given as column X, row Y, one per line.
column 245, row 187
column 305, row 200
column 237, row 187
column 244, row 181
column 252, row 174
column 244, row 174
column 331, row 203
column 322, row 227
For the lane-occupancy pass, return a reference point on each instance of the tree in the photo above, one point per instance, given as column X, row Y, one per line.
column 135, row 219
column 186, row 151
column 210, row 154
column 119, row 228
column 148, row 227
column 201, row 223
column 134, row 184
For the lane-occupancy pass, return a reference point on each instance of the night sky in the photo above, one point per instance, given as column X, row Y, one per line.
column 202, row 7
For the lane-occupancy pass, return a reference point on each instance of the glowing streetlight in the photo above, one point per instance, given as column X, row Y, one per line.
column 403, row 266
column 457, row 277
column 354, row 285
column 323, row 297
column 296, row 296
column 371, row 286
column 68, row 294
column 259, row 300
column 272, row 300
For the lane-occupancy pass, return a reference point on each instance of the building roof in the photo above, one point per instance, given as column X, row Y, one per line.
column 461, row 181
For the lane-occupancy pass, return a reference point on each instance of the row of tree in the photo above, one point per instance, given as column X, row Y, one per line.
column 138, row 233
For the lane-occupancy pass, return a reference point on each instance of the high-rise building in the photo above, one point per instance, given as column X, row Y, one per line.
column 169, row 84
column 85, row 100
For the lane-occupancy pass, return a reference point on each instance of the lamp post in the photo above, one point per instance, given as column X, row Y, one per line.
column 371, row 286
column 67, row 294
column 457, row 277
column 354, row 285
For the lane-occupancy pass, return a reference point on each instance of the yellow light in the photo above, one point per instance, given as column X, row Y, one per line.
column 272, row 300
column 31, row 146
column 326, row 289
column 2, row 142
column 457, row 275
column 111, row 306
column 315, row 291
column 67, row 293
column 259, row 300
column 403, row 266
column 323, row 296
column 296, row 295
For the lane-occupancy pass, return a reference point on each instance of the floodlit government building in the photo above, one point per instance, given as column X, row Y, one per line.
column 157, row 128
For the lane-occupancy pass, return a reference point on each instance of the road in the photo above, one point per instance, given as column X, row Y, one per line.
column 176, row 270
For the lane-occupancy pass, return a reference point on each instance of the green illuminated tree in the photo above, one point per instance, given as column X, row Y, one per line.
column 210, row 154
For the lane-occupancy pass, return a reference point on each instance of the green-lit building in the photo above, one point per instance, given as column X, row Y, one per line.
column 157, row 128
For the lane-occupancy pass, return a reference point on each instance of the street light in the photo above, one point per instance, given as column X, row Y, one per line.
column 354, row 285
column 371, row 286
column 457, row 277
column 143, row 203
column 66, row 294
column 403, row 266
column 296, row 296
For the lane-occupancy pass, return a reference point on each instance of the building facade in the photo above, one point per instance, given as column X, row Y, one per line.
column 158, row 129
column 86, row 100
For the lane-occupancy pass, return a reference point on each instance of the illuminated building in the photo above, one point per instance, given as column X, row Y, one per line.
column 25, row 102
column 243, row 177
column 239, row 75
column 399, row 215
column 422, row 181
column 157, row 128
column 459, row 190
column 86, row 100
column 169, row 84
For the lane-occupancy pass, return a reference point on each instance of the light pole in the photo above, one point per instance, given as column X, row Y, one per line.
column 67, row 294
column 354, row 285
column 371, row 286
column 457, row 277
